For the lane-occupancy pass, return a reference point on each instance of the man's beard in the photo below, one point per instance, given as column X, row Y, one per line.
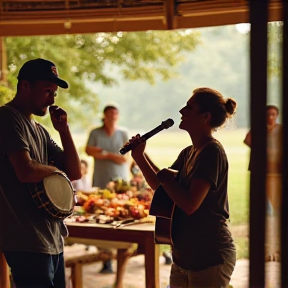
column 41, row 113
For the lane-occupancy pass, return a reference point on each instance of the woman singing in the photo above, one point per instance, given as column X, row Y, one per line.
column 203, row 250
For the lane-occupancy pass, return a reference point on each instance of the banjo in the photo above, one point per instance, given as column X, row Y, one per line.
column 54, row 195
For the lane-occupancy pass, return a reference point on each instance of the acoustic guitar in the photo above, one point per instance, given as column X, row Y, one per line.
column 162, row 207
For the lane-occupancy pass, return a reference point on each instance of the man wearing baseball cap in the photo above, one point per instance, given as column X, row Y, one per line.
column 30, row 239
column 40, row 69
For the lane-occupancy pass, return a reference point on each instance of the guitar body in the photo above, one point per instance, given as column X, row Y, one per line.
column 162, row 207
column 163, row 231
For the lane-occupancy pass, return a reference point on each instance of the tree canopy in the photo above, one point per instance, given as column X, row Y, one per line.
column 275, row 39
column 6, row 94
column 81, row 59
column 120, row 67
column 220, row 61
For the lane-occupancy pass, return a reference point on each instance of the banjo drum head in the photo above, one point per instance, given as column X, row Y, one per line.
column 59, row 191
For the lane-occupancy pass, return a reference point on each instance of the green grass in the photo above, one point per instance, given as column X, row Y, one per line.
column 242, row 247
column 163, row 149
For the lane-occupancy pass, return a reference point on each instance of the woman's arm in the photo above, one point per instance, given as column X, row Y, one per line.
column 189, row 200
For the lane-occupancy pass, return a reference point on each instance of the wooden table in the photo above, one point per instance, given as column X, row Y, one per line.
column 142, row 234
column 120, row 238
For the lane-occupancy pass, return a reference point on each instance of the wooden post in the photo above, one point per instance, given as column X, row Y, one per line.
column 258, row 102
column 3, row 62
column 77, row 275
column 284, row 216
column 152, row 253
column 122, row 258
column 4, row 272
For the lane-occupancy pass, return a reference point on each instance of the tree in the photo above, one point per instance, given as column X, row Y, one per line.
column 6, row 95
column 214, row 63
column 84, row 58
column 275, row 40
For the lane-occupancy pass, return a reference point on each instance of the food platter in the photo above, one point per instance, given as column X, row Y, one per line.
column 114, row 203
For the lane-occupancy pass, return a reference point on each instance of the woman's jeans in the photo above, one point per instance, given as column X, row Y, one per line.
column 36, row 270
column 213, row 277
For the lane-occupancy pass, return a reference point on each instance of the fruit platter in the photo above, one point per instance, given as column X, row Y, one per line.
column 119, row 202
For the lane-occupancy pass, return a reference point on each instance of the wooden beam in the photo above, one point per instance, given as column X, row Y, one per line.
column 213, row 19
column 77, row 14
column 80, row 27
column 258, row 96
column 153, row 17
column 170, row 11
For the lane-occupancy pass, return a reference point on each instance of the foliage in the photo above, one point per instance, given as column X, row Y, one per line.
column 275, row 41
column 6, row 94
column 242, row 247
column 220, row 61
column 87, row 58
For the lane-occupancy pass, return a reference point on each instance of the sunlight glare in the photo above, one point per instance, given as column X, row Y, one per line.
column 243, row 28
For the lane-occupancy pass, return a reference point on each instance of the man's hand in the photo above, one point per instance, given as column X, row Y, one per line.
column 58, row 118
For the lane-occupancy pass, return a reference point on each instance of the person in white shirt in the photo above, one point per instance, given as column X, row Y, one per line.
column 83, row 184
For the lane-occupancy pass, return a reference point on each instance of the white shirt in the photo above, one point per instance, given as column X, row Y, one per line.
column 82, row 184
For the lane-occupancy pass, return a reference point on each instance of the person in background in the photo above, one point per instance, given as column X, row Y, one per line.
column 203, row 251
column 273, row 181
column 103, row 145
column 83, row 184
column 31, row 241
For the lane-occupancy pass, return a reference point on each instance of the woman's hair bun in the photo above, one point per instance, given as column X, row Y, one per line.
column 230, row 106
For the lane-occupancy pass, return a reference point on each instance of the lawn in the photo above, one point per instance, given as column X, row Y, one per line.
column 164, row 147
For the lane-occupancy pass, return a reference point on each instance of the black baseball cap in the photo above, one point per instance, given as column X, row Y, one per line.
column 41, row 69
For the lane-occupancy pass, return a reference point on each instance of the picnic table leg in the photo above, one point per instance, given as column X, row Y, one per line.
column 152, row 254
column 122, row 257
column 76, row 275
column 4, row 272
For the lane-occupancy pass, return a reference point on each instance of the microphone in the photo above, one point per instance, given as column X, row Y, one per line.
column 164, row 125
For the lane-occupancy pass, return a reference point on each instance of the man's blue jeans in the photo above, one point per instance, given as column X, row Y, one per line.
column 36, row 270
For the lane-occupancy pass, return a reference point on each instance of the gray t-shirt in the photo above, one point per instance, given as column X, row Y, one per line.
column 23, row 227
column 107, row 170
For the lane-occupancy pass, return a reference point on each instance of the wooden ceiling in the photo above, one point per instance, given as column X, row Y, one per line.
column 35, row 17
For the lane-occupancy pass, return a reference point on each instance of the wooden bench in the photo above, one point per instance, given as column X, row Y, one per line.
column 77, row 255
